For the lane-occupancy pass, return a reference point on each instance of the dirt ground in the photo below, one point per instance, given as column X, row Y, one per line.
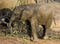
column 16, row 40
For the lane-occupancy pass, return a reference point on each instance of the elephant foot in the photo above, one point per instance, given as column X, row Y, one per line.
column 46, row 37
column 34, row 39
column 11, row 31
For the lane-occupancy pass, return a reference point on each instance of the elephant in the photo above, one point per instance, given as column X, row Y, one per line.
column 5, row 15
column 36, row 14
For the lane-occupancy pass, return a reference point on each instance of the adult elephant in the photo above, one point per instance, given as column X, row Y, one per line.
column 36, row 14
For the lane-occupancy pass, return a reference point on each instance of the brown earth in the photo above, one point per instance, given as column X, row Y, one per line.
column 12, row 3
column 16, row 40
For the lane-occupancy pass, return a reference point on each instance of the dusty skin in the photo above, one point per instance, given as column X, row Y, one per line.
column 37, row 15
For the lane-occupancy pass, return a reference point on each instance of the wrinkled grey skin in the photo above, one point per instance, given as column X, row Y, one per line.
column 35, row 14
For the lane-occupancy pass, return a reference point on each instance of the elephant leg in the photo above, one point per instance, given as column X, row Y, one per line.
column 9, row 25
column 47, row 26
column 33, row 26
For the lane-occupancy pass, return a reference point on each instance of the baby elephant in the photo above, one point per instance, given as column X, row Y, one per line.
column 36, row 14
